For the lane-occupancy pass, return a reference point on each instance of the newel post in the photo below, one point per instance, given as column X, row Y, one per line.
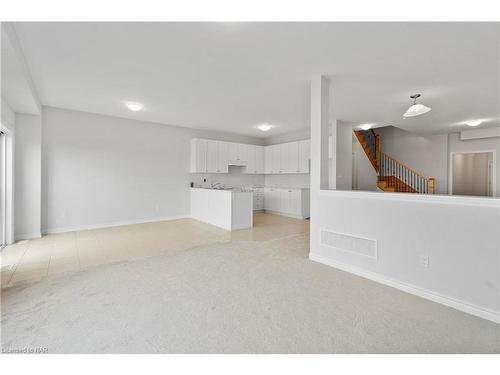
column 432, row 185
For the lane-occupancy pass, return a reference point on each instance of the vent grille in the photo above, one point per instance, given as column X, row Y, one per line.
column 353, row 244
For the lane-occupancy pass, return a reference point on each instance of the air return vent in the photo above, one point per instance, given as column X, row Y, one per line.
column 353, row 244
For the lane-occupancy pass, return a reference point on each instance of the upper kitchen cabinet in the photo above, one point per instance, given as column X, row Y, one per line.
column 255, row 160
column 222, row 157
column 212, row 156
column 198, row 156
column 209, row 156
column 237, row 153
column 304, row 155
column 289, row 162
column 291, row 157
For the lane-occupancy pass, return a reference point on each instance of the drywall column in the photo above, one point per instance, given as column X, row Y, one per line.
column 342, row 155
column 319, row 147
column 319, row 133
column 28, row 182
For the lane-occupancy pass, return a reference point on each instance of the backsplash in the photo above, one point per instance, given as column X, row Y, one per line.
column 234, row 178
column 288, row 179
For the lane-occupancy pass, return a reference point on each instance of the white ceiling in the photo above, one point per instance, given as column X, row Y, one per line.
column 233, row 76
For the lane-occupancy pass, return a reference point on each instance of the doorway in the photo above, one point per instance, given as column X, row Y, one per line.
column 473, row 173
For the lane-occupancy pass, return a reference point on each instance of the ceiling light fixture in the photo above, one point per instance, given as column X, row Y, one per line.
column 365, row 126
column 416, row 109
column 264, row 127
column 134, row 106
column 473, row 122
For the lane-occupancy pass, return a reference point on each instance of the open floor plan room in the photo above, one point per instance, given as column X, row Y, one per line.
column 250, row 188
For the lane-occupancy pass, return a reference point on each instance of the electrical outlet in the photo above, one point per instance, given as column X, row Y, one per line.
column 424, row 261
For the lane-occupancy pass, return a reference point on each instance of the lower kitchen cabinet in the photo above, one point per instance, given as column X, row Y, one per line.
column 293, row 202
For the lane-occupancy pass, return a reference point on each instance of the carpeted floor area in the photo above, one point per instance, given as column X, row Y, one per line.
column 235, row 297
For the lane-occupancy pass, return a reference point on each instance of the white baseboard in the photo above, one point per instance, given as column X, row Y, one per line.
column 284, row 214
column 109, row 225
column 491, row 315
column 27, row 236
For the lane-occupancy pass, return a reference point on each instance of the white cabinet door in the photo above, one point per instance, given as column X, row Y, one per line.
column 268, row 160
column 198, row 156
column 295, row 198
column 232, row 151
column 242, row 152
column 276, row 159
column 290, row 157
column 222, row 157
column 212, row 150
column 272, row 199
column 259, row 159
column 304, row 155
column 250, row 160
column 276, row 200
column 285, row 205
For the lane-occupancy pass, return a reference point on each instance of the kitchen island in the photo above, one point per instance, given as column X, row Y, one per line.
column 230, row 209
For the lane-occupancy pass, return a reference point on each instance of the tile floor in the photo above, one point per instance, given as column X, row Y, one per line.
column 30, row 261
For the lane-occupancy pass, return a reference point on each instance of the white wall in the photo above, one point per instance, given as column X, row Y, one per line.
column 101, row 170
column 460, row 235
column 475, row 145
column 427, row 155
column 27, row 203
column 298, row 180
column 461, row 240
column 365, row 174
column 342, row 135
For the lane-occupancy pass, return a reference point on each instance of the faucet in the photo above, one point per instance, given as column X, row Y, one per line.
column 216, row 185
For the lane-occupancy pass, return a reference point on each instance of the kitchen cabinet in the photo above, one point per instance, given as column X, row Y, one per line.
column 198, row 156
column 258, row 198
column 237, row 153
column 304, row 155
column 255, row 160
column 275, row 159
column 228, row 209
column 267, row 160
column 211, row 156
column 293, row 202
column 290, row 157
column 222, row 157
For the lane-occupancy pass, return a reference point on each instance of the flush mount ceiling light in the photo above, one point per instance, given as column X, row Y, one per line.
column 264, row 127
column 473, row 122
column 365, row 126
column 134, row 106
column 416, row 109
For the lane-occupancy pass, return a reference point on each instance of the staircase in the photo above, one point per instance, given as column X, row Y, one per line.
column 392, row 175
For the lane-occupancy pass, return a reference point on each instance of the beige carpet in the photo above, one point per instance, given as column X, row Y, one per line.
column 236, row 297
